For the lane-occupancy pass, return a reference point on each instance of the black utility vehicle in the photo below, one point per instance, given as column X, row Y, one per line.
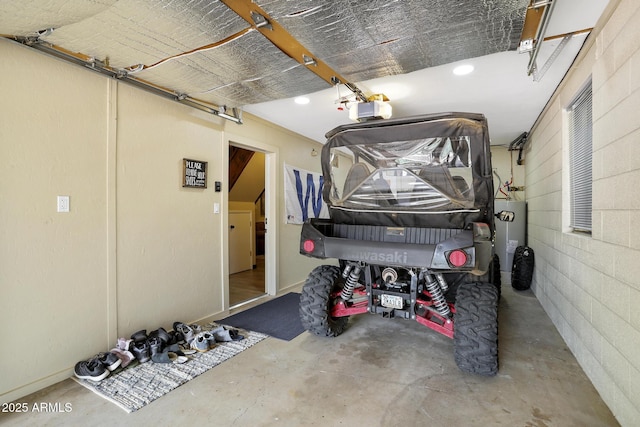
column 412, row 226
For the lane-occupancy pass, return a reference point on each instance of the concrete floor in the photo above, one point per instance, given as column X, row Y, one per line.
column 378, row 373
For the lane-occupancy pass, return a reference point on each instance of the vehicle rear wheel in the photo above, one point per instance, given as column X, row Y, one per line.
column 491, row 276
column 476, row 328
column 494, row 275
column 316, row 302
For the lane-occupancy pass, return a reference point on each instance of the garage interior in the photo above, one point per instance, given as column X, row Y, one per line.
column 104, row 99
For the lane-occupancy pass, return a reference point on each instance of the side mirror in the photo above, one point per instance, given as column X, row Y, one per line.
column 507, row 216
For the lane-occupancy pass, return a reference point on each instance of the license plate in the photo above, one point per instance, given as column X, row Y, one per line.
column 392, row 301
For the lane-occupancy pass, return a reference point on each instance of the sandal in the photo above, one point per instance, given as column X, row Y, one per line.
column 169, row 357
column 222, row 334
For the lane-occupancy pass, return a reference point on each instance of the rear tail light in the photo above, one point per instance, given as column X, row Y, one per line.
column 308, row 246
column 457, row 258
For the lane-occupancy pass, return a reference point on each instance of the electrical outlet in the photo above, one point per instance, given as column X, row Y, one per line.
column 63, row 203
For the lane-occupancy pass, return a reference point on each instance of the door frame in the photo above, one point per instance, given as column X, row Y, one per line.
column 271, row 154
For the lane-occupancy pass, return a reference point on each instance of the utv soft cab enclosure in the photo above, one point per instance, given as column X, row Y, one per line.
column 411, row 225
column 400, row 176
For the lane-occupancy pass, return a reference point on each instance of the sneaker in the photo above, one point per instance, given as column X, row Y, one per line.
column 161, row 333
column 183, row 332
column 200, row 343
column 91, row 369
column 125, row 356
column 139, row 336
column 156, row 345
column 109, row 360
column 141, row 351
column 210, row 338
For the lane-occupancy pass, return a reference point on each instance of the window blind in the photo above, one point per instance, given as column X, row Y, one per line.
column 580, row 154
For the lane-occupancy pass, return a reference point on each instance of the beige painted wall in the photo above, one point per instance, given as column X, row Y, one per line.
column 137, row 251
column 590, row 285
column 53, row 266
column 168, row 250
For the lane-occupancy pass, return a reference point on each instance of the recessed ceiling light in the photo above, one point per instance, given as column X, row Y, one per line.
column 302, row 100
column 461, row 70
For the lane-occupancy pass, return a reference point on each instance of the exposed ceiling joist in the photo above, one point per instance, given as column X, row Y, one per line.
column 276, row 34
column 536, row 20
column 531, row 24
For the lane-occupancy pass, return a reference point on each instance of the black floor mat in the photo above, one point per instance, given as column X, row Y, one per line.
column 278, row 318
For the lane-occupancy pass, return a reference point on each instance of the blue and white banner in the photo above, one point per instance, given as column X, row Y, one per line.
column 303, row 195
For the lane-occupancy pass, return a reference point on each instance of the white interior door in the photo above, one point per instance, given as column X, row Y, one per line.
column 240, row 241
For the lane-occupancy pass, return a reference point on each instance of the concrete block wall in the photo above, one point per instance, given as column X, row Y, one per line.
column 590, row 285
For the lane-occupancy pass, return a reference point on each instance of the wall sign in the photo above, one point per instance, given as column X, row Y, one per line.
column 194, row 173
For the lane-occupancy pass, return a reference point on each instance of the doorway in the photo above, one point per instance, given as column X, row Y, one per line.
column 246, row 217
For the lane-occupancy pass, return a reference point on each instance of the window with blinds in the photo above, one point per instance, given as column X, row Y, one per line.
column 580, row 153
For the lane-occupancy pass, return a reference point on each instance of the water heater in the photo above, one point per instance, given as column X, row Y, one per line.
column 510, row 235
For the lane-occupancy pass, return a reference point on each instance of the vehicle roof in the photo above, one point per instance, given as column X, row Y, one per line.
column 407, row 120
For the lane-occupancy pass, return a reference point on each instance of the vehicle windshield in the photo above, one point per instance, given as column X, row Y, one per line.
column 430, row 174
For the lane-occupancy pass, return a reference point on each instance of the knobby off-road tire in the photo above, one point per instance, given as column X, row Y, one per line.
column 494, row 275
column 491, row 276
column 476, row 329
column 522, row 269
column 315, row 302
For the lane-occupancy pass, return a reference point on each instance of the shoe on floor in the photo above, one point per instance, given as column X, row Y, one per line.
column 221, row 334
column 109, row 360
column 141, row 351
column 91, row 369
column 179, row 349
column 139, row 336
column 165, row 336
column 125, row 356
column 184, row 332
column 210, row 338
column 156, row 345
column 185, row 349
column 200, row 343
column 124, row 344
column 169, row 357
column 177, row 359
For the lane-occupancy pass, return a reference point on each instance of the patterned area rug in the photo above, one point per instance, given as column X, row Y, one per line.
column 136, row 386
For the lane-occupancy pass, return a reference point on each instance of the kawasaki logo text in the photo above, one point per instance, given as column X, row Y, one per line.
column 390, row 258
